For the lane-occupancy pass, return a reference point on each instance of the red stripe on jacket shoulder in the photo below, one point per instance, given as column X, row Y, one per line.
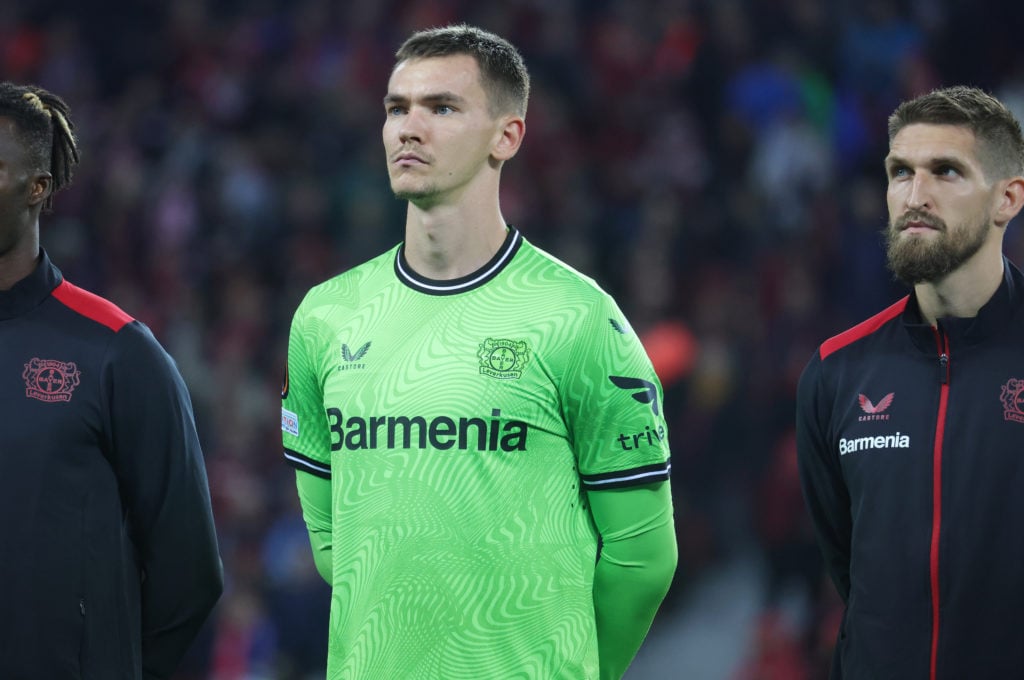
column 92, row 306
column 863, row 329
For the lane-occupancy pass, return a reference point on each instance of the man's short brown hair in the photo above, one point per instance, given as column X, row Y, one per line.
column 1000, row 143
column 502, row 70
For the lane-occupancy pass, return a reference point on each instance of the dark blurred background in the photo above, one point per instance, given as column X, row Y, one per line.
column 715, row 165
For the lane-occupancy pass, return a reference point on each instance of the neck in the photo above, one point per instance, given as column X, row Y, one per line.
column 963, row 292
column 19, row 260
column 448, row 242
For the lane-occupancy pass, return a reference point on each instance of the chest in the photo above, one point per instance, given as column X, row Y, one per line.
column 454, row 358
column 900, row 418
column 49, row 400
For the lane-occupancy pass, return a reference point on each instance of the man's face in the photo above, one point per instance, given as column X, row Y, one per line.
column 15, row 188
column 940, row 204
column 438, row 131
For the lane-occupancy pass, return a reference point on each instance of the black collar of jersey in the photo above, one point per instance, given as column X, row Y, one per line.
column 995, row 315
column 462, row 284
column 30, row 292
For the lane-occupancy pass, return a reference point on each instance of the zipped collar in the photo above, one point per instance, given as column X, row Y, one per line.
column 30, row 292
column 992, row 318
column 513, row 240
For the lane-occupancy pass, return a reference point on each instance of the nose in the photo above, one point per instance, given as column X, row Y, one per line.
column 919, row 192
column 411, row 127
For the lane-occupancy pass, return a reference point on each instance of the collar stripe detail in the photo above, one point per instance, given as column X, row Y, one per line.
column 91, row 306
column 863, row 329
column 463, row 284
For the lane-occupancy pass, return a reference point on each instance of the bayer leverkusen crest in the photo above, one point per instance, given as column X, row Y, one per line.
column 503, row 359
column 1013, row 400
column 50, row 380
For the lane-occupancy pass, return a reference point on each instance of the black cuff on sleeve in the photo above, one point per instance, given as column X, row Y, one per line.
column 648, row 474
column 307, row 464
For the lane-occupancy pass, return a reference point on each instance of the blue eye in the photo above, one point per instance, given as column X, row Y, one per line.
column 443, row 109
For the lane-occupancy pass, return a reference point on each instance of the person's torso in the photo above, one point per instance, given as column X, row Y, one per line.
column 71, row 609
column 931, row 447
column 463, row 544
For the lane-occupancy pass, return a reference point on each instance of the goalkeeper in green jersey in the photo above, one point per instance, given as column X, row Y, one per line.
column 478, row 435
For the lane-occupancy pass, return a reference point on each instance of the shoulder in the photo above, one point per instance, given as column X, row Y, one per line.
column 546, row 270
column 865, row 329
column 350, row 286
column 118, row 337
column 833, row 356
column 91, row 306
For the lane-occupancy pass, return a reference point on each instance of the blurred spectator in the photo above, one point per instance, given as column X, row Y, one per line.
column 713, row 164
column 777, row 654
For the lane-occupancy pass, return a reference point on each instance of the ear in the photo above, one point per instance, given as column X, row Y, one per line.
column 510, row 137
column 1009, row 201
column 40, row 188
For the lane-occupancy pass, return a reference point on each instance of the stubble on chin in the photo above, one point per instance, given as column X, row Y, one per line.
column 418, row 195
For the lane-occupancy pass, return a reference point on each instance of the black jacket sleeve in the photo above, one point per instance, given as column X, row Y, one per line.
column 155, row 453
column 821, row 477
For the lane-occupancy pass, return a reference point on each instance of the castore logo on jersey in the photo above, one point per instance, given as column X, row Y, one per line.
column 50, row 380
column 875, row 411
column 351, row 358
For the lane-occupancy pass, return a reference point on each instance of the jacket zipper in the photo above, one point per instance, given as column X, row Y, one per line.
column 942, row 341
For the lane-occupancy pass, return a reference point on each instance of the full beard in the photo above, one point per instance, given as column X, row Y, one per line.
column 913, row 259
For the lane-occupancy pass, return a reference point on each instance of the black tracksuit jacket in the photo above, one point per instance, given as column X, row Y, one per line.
column 108, row 557
column 910, row 441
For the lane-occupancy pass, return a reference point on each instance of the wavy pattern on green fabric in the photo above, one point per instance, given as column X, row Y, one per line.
column 456, row 561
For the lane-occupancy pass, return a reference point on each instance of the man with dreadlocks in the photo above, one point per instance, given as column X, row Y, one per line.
column 108, row 555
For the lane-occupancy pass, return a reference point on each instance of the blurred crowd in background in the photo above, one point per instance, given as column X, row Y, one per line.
column 714, row 164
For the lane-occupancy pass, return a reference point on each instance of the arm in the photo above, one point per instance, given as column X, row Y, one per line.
column 315, row 497
column 306, row 439
column 613, row 407
column 154, row 451
column 635, row 568
column 821, row 478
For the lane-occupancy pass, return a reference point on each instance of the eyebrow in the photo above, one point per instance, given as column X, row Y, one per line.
column 445, row 97
column 938, row 161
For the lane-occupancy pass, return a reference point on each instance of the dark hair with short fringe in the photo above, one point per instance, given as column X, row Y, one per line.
column 502, row 70
column 44, row 123
column 994, row 126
